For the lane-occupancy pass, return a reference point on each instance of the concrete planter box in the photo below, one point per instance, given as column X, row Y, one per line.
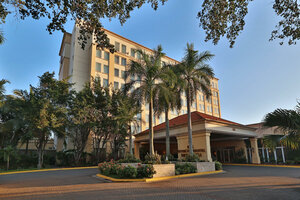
column 161, row 169
column 202, row 166
column 164, row 170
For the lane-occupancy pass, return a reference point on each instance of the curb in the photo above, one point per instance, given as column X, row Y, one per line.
column 45, row 170
column 263, row 165
column 159, row 178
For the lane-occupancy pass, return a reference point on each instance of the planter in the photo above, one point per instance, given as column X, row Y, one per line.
column 202, row 166
column 161, row 169
column 164, row 170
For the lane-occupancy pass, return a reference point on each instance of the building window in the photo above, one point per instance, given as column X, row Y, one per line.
column 106, row 55
column 194, row 105
column 123, row 74
column 123, row 61
column 117, row 72
column 132, row 52
column 161, row 119
column 98, row 67
column 98, row 53
column 117, row 60
column 147, row 118
column 97, row 79
column 105, row 82
column 216, row 111
column 117, row 46
column 209, row 100
column 105, row 69
column 122, row 86
column 116, row 85
column 147, row 106
column 124, row 49
column 209, row 109
column 139, row 55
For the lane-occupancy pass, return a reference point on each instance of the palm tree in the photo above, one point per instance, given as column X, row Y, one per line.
column 148, row 71
column 194, row 75
column 288, row 122
column 2, row 88
column 167, row 98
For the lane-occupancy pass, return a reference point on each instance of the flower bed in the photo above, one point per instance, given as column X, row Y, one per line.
column 201, row 166
column 115, row 170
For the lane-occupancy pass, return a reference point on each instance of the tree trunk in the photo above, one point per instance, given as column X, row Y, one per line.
column 188, row 98
column 26, row 150
column 40, row 157
column 151, row 143
column 130, row 141
column 167, row 134
column 7, row 163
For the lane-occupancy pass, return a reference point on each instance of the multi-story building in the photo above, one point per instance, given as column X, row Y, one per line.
column 80, row 65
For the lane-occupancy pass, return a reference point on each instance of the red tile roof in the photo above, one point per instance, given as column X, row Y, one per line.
column 196, row 117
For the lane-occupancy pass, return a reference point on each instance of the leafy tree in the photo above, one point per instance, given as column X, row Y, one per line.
column 2, row 89
column 286, row 121
column 148, row 72
column 87, row 14
column 47, row 112
column 194, row 75
column 226, row 18
column 167, row 98
column 82, row 118
column 8, row 152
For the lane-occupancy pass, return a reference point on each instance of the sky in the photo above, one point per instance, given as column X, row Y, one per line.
column 255, row 77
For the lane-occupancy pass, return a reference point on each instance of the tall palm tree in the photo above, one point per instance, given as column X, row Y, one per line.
column 194, row 74
column 288, row 122
column 167, row 98
column 148, row 72
column 2, row 88
column 1, row 37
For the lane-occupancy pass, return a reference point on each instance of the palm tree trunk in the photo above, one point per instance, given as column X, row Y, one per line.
column 167, row 134
column 188, row 98
column 130, row 141
column 151, row 143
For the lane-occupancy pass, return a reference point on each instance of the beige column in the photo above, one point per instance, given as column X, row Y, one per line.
column 255, row 155
column 245, row 153
column 137, row 149
column 93, row 61
column 201, row 143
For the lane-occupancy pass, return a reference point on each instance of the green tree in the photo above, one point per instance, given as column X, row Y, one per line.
column 147, row 72
column 194, row 75
column 8, row 152
column 87, row 14
column 167, row 98
column 226, row 18
column 1, row 37
column 47, row 112
column 287, row 122
column 2, row 89
column 82, row 118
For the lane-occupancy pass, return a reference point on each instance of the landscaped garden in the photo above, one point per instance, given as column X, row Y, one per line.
column 153, row 166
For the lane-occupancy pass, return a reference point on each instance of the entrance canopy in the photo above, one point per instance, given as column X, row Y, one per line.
column 207, row 130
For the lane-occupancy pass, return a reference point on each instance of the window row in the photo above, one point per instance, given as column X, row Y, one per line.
column 106, row 84
column 99, row 54
column 123, row 61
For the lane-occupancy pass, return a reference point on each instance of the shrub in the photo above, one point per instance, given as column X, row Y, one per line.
column 218, row 165
column 146, row 171
column 192, row 158
column 129, row 159
column 110, row 168
column 170, row 158
column 185, row 168
column 152, row 159
column 128, row 172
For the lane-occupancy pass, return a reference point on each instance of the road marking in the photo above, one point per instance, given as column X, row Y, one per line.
column 263, row 165
column 45, row 170
column 159, row 178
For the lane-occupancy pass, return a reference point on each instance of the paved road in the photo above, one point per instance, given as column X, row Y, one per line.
column 238, row 182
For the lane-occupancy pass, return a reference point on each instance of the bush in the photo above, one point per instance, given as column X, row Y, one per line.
column 192, row 158
column 186, row 168
column 218, row 165
column 170, row 158
column 109, row 168
column 152, row 159
column 128, row 172
column 146, row 171
column 129, row 159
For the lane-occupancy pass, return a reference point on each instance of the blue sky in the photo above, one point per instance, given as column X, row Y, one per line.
column 256, row 76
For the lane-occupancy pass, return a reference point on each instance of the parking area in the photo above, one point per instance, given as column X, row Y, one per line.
column 239, row 182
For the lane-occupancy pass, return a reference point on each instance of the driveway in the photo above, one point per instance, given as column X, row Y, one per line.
column 239, row 182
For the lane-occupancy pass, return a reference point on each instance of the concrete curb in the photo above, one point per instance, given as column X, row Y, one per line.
column 263, row 165
column 45, row 170
column 159, row 178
